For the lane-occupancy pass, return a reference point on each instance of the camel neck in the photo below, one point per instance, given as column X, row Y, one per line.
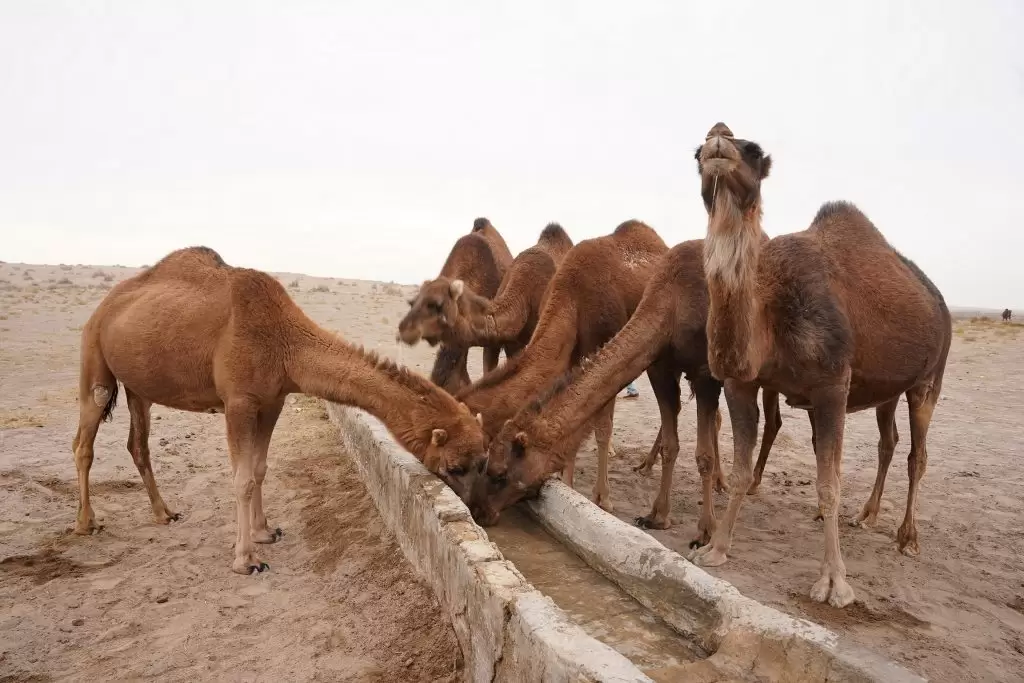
column 323, row 365
column 476, row 323
column 569, row 405
column 500, row 393
column 731, row 256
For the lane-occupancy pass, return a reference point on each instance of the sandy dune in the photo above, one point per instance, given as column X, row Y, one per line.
column 145, row 600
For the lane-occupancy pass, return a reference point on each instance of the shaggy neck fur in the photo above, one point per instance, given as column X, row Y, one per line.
column 731, row 253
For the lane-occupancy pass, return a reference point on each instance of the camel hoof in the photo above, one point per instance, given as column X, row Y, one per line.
column 652, row 523
column 707, row 556
column 865, row 523
column 911, row 549
column 604, row 504
column 642, row 469
column 752, row 491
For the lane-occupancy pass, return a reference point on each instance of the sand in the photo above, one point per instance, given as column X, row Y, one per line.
column 954, row 613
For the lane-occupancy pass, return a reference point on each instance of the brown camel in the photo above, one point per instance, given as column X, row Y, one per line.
column 196, row 334
column 834, row 318
column 450, row 311
column 1007, row 315
column 480, row 260
column 666, row 337
column 594, row 291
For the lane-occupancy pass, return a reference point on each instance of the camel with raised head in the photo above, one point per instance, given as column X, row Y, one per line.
column 449, row 310
column 480, row 260
column 833, row 318
column 196, row 334
column 592, row 295
column 666, row 338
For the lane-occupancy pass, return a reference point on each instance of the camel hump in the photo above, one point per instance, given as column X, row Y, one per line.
column 195, row 256
column 640, row 235
column 839, row 209
column 553, row 232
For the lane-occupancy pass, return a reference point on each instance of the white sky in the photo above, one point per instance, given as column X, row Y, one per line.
column 360, row 139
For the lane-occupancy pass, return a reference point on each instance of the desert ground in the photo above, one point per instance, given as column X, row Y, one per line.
column 340, row 603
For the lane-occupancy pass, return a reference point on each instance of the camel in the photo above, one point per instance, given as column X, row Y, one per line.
column 1007, row 315
column 196, row 334
column 665, row 337
column 594, row 291
column 833, row 318
column 480, row 260
column 450, row 311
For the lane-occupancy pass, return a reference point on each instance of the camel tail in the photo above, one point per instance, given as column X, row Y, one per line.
column 108, row 408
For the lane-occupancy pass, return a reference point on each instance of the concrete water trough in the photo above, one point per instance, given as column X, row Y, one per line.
column 562, row 591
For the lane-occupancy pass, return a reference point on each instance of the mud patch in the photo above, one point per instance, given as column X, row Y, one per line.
column 859, row 614
column 45, row 566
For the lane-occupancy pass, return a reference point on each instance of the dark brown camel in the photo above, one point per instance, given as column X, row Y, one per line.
column 196, row 334
column 480, row 260
column 834, row 318
column 666, row 337
column 1007, row 315
column 593, row 293
column 450, row 311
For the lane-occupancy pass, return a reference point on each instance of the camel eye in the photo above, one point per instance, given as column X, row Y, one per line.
column 434, row 307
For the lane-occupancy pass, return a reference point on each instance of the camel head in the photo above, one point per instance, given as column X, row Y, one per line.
column 731, row 167
column 518, row 464
column 457, row 452
column 432, row 312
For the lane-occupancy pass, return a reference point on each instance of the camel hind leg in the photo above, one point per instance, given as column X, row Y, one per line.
column 138, row 446
column 772, row 425
column 888, row 437
column 921, row 401
column 97, row 396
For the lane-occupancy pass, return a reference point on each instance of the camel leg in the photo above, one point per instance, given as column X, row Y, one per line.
column 772, row 425
column 265, row 422
column 742, row 400
column 138, row 446
column 829, row 423
column 647, row 465
column 921, row 402
column 97, row 391
column 242, row 427
column 718, row 476
column 603, row 422
column 491, row 355
column 89, row 417
column 665, row 383
column 888, row 437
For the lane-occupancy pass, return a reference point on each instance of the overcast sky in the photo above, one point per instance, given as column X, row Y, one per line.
column 361, row 139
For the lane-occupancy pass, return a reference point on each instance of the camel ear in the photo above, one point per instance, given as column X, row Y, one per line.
column 766, row 166
column 456, row 288
column 438, row 437
column 480, row 419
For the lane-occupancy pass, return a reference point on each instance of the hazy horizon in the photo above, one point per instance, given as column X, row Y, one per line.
column 359, row 141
